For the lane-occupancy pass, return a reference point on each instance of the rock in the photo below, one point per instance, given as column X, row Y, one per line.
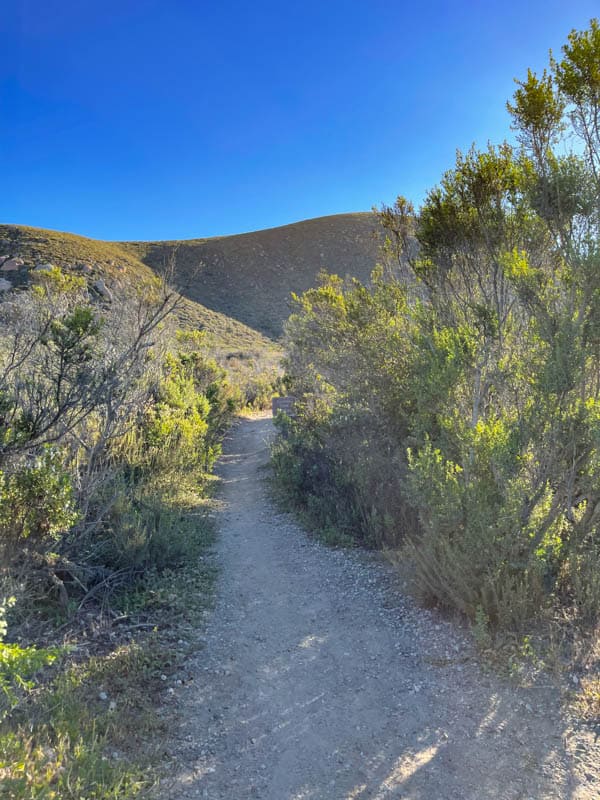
column 86, row 268
column 44, row 267
column 102, row 696
column 3, row 259
column 103, row 290
column 5, row 286
column 12, row 265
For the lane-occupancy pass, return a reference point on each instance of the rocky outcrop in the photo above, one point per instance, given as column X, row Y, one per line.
column 5, row 286
column 102, row 289
column 12, row 265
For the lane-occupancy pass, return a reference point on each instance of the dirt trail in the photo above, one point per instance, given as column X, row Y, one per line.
column 320, row 680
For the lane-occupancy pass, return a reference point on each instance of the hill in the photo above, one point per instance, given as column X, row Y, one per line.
column 236, row 288
column 249, row 277
column 123, row 272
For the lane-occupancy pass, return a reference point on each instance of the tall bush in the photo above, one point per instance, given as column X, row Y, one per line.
column 105, row 415
column 474, row 365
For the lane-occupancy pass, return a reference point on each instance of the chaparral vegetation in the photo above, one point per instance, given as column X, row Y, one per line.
column 447, row 410
column 450, row 409
column 110, row 423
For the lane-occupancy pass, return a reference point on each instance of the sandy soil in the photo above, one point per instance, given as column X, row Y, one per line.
column 318, row 679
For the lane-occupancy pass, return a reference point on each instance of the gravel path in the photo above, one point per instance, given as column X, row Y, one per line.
column 320, row 680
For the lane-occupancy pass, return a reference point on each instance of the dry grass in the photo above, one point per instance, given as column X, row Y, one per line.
column 249, row 277
column 124, row 272
column 93, row 725
column 237, row 288
column 587, row 701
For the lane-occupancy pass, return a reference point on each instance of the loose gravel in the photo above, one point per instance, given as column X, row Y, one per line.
column 317, row 678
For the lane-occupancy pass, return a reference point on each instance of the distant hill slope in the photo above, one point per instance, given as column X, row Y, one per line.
column 249, row 277
column 237, row 288
column 123, row 272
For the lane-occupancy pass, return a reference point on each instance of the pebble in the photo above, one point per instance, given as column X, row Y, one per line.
column 399, row 663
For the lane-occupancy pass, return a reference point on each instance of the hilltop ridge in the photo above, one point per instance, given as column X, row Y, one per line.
column 250, row 276
column 238, row 287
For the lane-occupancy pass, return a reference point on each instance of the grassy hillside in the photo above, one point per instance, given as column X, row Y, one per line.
column 249, row 277
column 122, row 271
column 236, row 288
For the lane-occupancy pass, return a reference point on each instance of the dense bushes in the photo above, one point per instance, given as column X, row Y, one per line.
column 455, row 403
column 106, row 416
column 110, row 422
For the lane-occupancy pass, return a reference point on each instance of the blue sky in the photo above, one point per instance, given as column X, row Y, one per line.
column 184, row 118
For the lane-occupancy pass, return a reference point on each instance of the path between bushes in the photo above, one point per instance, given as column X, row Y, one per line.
column 319, row 680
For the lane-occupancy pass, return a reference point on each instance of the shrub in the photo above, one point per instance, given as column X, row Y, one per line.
column 104, row 418
column 453, row 403
column 18, row 665
column 37, row 503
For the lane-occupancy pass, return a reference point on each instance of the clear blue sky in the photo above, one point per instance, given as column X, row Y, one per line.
column 182, row 118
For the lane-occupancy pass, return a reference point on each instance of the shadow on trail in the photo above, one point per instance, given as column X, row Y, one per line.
column 319, row 691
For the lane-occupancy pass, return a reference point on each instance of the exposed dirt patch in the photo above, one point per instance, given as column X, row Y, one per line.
column 320, row 680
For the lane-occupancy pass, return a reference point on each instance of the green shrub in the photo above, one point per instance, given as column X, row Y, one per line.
column 451, row 407
column 343, row 474
column 18, row 666
column 105, row 417
column 37, row 503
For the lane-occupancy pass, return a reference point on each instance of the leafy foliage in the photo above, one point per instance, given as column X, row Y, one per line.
column 466, row 377
column 110, row 422
column 36, row 500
